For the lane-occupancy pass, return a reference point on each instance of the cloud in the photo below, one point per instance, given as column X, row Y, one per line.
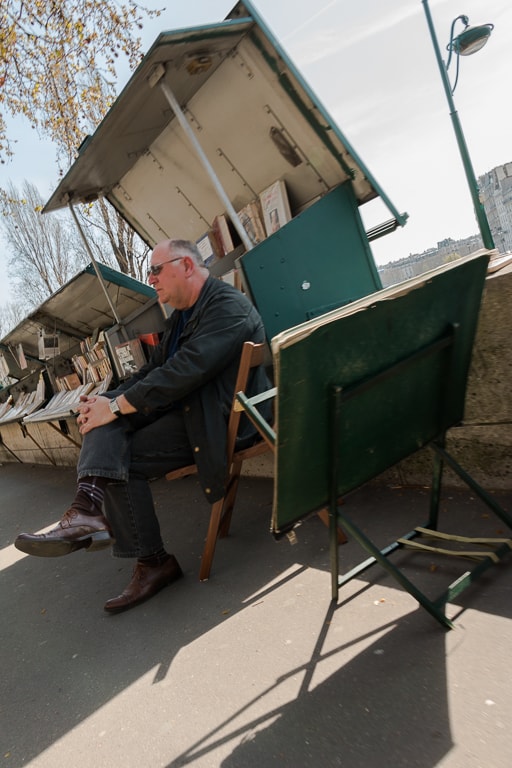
column 324, row 34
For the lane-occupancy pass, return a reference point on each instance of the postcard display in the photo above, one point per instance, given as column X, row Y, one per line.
column 216, row 124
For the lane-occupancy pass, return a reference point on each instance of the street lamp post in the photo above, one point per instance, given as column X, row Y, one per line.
column 469, row 41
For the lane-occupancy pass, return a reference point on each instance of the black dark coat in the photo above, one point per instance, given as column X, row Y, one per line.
column 200, row 377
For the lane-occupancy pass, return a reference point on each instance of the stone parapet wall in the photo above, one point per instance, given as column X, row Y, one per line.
column 482, row 445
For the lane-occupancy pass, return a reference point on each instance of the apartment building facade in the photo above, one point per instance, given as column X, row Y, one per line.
column 496, row 194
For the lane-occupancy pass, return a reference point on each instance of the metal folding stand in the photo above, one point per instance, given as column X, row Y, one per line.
column 338, row 517
column 366, row 386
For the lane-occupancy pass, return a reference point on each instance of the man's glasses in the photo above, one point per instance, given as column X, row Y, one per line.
column 155, row 269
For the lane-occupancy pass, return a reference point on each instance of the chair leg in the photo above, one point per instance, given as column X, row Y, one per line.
column 229, row 499
column 323, row 514
column 211, row 540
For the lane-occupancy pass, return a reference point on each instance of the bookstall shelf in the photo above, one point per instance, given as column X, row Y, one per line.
column 41, row 391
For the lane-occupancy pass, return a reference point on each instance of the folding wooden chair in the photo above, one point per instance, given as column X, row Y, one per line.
column 221, row 510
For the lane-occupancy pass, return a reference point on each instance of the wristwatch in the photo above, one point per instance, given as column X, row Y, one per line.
column 114, row 407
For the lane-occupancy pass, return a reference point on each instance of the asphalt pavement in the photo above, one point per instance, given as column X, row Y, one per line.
column 256, row 667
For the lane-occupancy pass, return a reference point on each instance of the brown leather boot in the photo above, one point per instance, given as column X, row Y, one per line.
column 74, row 531
column 146, row 581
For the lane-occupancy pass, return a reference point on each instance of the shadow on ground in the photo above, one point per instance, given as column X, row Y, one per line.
column 255, row 667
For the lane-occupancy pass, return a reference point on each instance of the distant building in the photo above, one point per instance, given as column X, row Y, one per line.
column 496, row 194
column 416, row 263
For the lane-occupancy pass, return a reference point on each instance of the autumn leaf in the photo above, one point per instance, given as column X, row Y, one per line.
column 57, row 63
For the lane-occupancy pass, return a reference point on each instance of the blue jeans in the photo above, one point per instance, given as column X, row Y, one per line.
column 131, row 451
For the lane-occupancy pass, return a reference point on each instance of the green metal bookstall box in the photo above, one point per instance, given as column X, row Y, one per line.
column 214, row 116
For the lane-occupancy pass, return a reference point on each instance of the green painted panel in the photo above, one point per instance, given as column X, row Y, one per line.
column 320, row 260
column 121, row 279
column 401, row 359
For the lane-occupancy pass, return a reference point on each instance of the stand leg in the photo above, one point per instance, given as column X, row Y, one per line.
column 380, row 557
column 333, row 505
column 481, row 492
column 435, row 493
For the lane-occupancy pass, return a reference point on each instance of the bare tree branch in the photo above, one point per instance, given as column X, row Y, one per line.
column 42, row 257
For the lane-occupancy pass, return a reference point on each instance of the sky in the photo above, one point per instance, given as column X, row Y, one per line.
column 372, row 65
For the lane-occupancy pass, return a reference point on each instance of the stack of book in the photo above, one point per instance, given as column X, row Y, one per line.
column 93, row 364
column 260, row 218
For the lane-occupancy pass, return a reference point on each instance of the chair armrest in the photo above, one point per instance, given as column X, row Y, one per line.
column 247, row 405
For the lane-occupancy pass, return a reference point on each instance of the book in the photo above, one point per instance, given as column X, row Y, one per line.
column 209, row 247
column 130, row 356
column 4, row 368
column 21, row 356
column 251, row 219
column 93, row 364
column 225, row 234
column 68, row 382
column 275, row 206
column 233, row 278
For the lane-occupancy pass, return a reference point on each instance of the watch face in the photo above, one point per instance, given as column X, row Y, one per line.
column 114, row 406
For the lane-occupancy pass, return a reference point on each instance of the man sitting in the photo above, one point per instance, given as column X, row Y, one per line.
column 170, row 413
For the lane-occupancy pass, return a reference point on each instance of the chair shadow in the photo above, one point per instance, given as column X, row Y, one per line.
column 385, row 708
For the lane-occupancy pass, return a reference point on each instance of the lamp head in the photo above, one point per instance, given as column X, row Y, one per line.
column 471, row 39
